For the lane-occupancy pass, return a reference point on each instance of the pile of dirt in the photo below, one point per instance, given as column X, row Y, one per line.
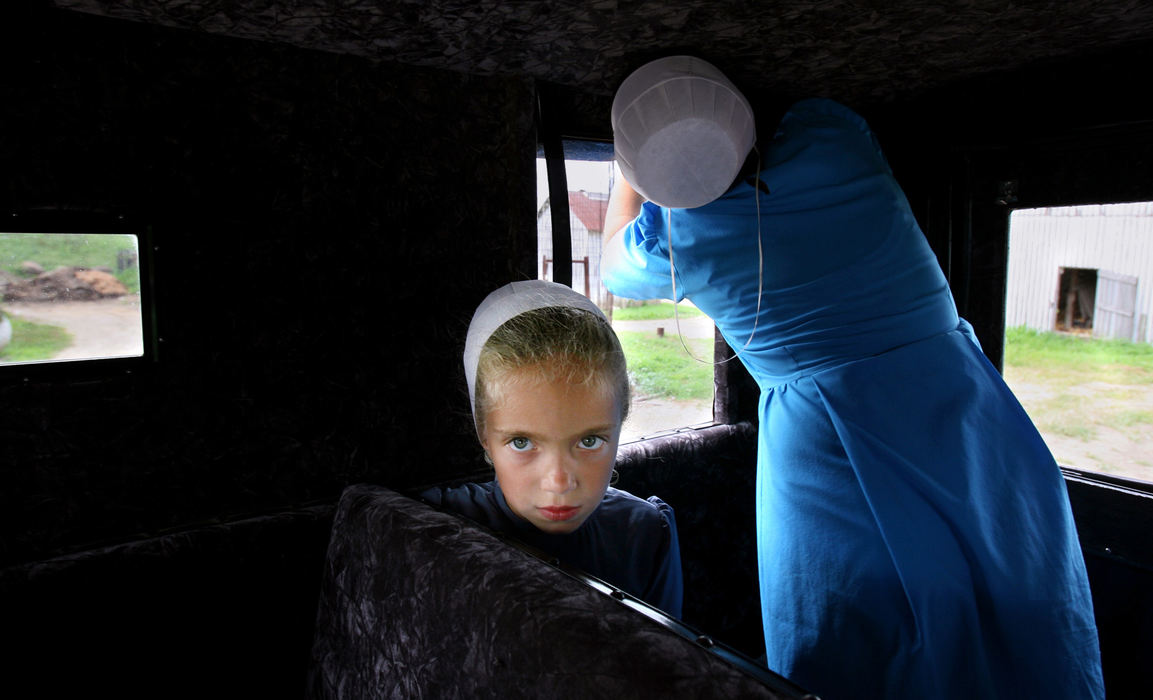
column 66, row 284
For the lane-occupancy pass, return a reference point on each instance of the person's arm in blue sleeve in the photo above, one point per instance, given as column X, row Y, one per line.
column 634, row 264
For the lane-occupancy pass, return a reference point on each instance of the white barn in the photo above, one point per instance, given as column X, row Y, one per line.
column 1082, row 269
column 587, row 221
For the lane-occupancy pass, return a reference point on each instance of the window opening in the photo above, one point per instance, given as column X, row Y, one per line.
column 1077, row 340
column 671, row 390
column 69, row 296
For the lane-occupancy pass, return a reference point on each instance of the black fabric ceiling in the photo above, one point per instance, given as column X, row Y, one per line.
column 867, row 51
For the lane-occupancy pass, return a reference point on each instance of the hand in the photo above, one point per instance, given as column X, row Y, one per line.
column 624, row 205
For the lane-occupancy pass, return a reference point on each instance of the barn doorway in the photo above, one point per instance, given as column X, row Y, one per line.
column 1076, row 300
column 1096, row 302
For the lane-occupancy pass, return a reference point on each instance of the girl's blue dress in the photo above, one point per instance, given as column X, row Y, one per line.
column 914, row 532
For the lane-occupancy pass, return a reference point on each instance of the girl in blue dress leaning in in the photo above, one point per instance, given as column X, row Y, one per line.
column 550, row 391
column 914, row 534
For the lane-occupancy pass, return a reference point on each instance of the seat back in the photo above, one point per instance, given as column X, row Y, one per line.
column 420, row 603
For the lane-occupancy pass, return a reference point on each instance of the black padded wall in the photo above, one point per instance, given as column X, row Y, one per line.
column 218, row 611
column 320, row 223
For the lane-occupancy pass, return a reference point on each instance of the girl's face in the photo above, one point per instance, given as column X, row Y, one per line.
column 553, row 445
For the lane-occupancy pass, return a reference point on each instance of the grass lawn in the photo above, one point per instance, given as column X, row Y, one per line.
column 34, row 341
column 660, row 367
column 1070, row 359
column 1091, row 398
column 655, row 312
column 69, row 249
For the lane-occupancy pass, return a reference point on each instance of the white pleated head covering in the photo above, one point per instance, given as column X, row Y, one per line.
column 503, row 304
column 681, row 131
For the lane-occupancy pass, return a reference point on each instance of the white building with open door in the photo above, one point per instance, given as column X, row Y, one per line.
column 1083, row 269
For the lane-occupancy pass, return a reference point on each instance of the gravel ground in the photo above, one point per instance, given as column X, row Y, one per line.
column 100, row 328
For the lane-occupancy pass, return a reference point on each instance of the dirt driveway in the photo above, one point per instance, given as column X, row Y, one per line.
column 100, row 328
column 1096, row 426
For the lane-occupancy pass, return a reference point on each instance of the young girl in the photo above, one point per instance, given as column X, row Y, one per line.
column 549, row 391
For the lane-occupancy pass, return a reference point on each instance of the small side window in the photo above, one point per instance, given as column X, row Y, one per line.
column 1079, row 299
column 68, row 296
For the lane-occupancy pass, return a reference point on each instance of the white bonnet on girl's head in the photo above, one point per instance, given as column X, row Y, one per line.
column 681, row 131
column 503, row 304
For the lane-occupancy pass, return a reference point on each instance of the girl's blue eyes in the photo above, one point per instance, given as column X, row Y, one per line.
column 588, row 442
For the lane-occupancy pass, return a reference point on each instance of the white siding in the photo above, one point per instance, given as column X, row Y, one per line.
column 584, row 242
column 1116, row 238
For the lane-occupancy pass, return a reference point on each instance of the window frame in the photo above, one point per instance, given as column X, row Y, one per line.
column 65, row 221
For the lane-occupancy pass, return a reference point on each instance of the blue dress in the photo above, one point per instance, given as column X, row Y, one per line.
column 914, row 533
column 628, row 542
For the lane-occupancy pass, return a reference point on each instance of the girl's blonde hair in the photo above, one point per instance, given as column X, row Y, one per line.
column 561, row 344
